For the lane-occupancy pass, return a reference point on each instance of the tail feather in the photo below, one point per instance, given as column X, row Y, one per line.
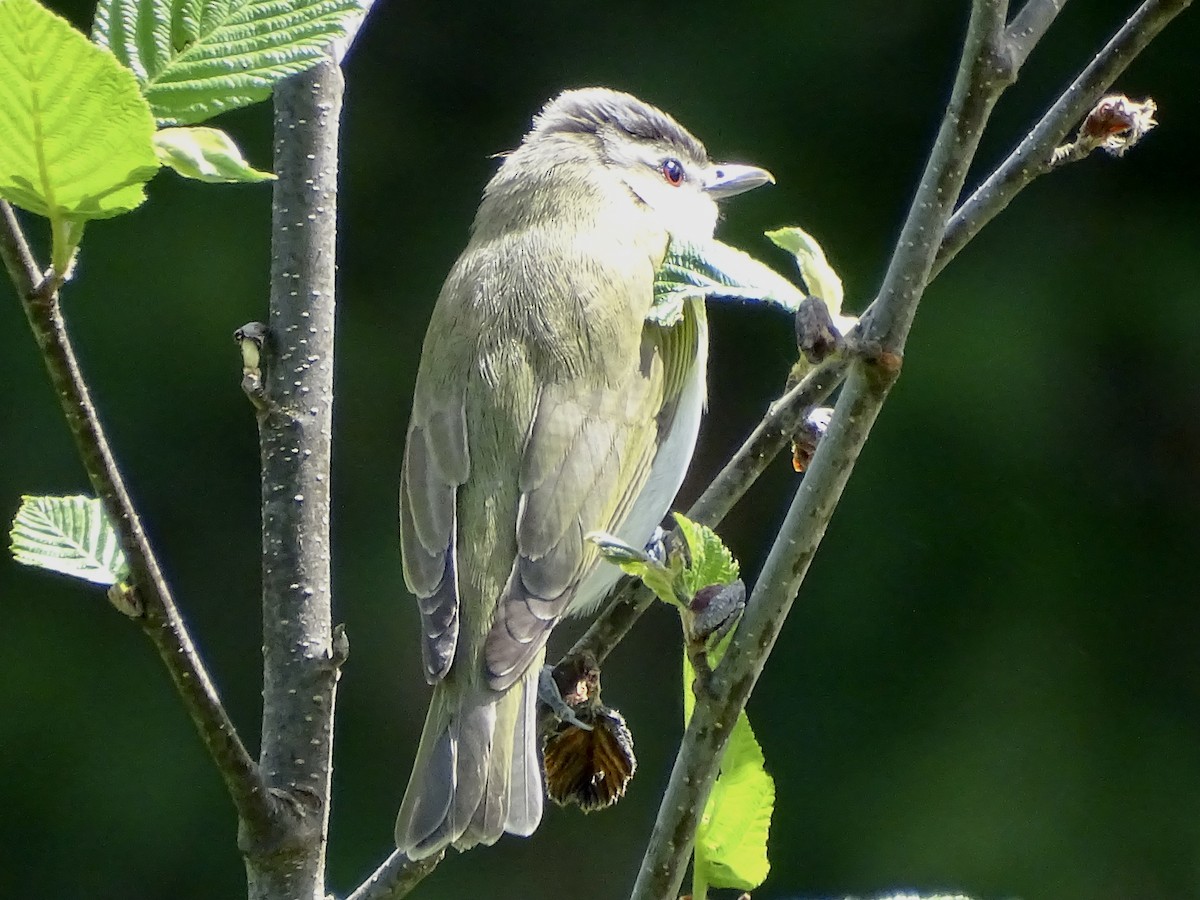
column 488, row 822
column 430, row 791
column 472, row 729
column 525, row 774
column 476, row 775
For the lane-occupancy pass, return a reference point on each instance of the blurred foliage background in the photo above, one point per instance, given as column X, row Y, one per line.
column 991, row 680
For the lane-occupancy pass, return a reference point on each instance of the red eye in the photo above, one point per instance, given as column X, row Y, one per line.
column 672, row 170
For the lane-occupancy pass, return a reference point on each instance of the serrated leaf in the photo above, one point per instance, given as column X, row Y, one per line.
column 815, row 269
column 197, row 58
column 731, row 839
column 713, row 270
column 710, row 560
column 205, row 154
column 75, row 129
column 70, row 535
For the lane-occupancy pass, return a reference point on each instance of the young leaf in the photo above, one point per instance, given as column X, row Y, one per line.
column 196, row 58
column 710, row 561
column 815, row 269
column 639, row 564
column 731, row 839
column 715, row 270
column 205, row 154
column 76, row 130
column 70, row 535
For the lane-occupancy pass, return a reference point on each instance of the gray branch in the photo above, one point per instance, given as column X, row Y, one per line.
column 768, row 439
column 302, row 651
column 1029, row 25
column 991, row 56
column 982, row 76
column 1031, row 158
column 160, row 618
column 395, row 877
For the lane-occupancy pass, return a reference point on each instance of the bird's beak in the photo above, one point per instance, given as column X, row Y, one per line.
column 724, row 179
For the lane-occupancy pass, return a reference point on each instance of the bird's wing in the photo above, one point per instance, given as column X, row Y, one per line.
column 436, row 463
column 587, row 457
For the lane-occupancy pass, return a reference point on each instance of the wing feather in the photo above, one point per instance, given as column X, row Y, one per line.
column 436, row 464
column 586, row 460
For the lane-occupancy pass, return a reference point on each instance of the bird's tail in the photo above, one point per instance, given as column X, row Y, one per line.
column 476, row 775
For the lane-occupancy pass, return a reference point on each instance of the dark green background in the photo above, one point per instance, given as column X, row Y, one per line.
column 990, row 681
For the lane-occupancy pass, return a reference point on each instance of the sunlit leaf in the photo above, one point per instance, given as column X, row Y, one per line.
column 815, row 269
column 196, row 58
column 74, row 129
column 710, row 561
column 205, row 154
column 731, row 839
column 714, row 270
column 70, row 535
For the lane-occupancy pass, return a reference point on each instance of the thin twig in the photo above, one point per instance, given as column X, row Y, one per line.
column 981, row 79
column 986, row 71
column 768, row 439
column 161, row 620
column 396, row 877
column 1029, row 25
column 1031, row 157
column 14, row 249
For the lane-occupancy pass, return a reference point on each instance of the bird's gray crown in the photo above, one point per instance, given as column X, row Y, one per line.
column 591, row 110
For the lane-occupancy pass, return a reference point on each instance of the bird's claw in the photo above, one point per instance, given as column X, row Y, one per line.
column 551, row 696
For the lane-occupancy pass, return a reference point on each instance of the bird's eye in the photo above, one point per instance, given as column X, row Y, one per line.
column 672, row 170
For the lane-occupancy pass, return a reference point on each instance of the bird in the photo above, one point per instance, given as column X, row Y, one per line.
column 546, row 406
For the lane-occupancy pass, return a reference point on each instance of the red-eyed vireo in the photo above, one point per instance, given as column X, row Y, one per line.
column 546, row 407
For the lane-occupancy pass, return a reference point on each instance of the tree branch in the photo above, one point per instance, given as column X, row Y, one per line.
column 1029, row 25
column 768, row 439
column 14, row 249
column 1031, row 157
column 395, row 877
column 302, row 652
column 988, row 65
column 985, row 71
column 160, row 619
column 980, row 81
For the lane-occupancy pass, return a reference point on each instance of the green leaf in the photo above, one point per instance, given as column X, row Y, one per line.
column 656, row 576
column 70, row 535
column 197, row 58
column 205, row 154
column 710, row 560
column 731, row 839
column 693, row 271
column 815, row 269
column 76, row 130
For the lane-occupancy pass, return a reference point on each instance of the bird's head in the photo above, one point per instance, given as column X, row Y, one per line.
column 660, row 162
